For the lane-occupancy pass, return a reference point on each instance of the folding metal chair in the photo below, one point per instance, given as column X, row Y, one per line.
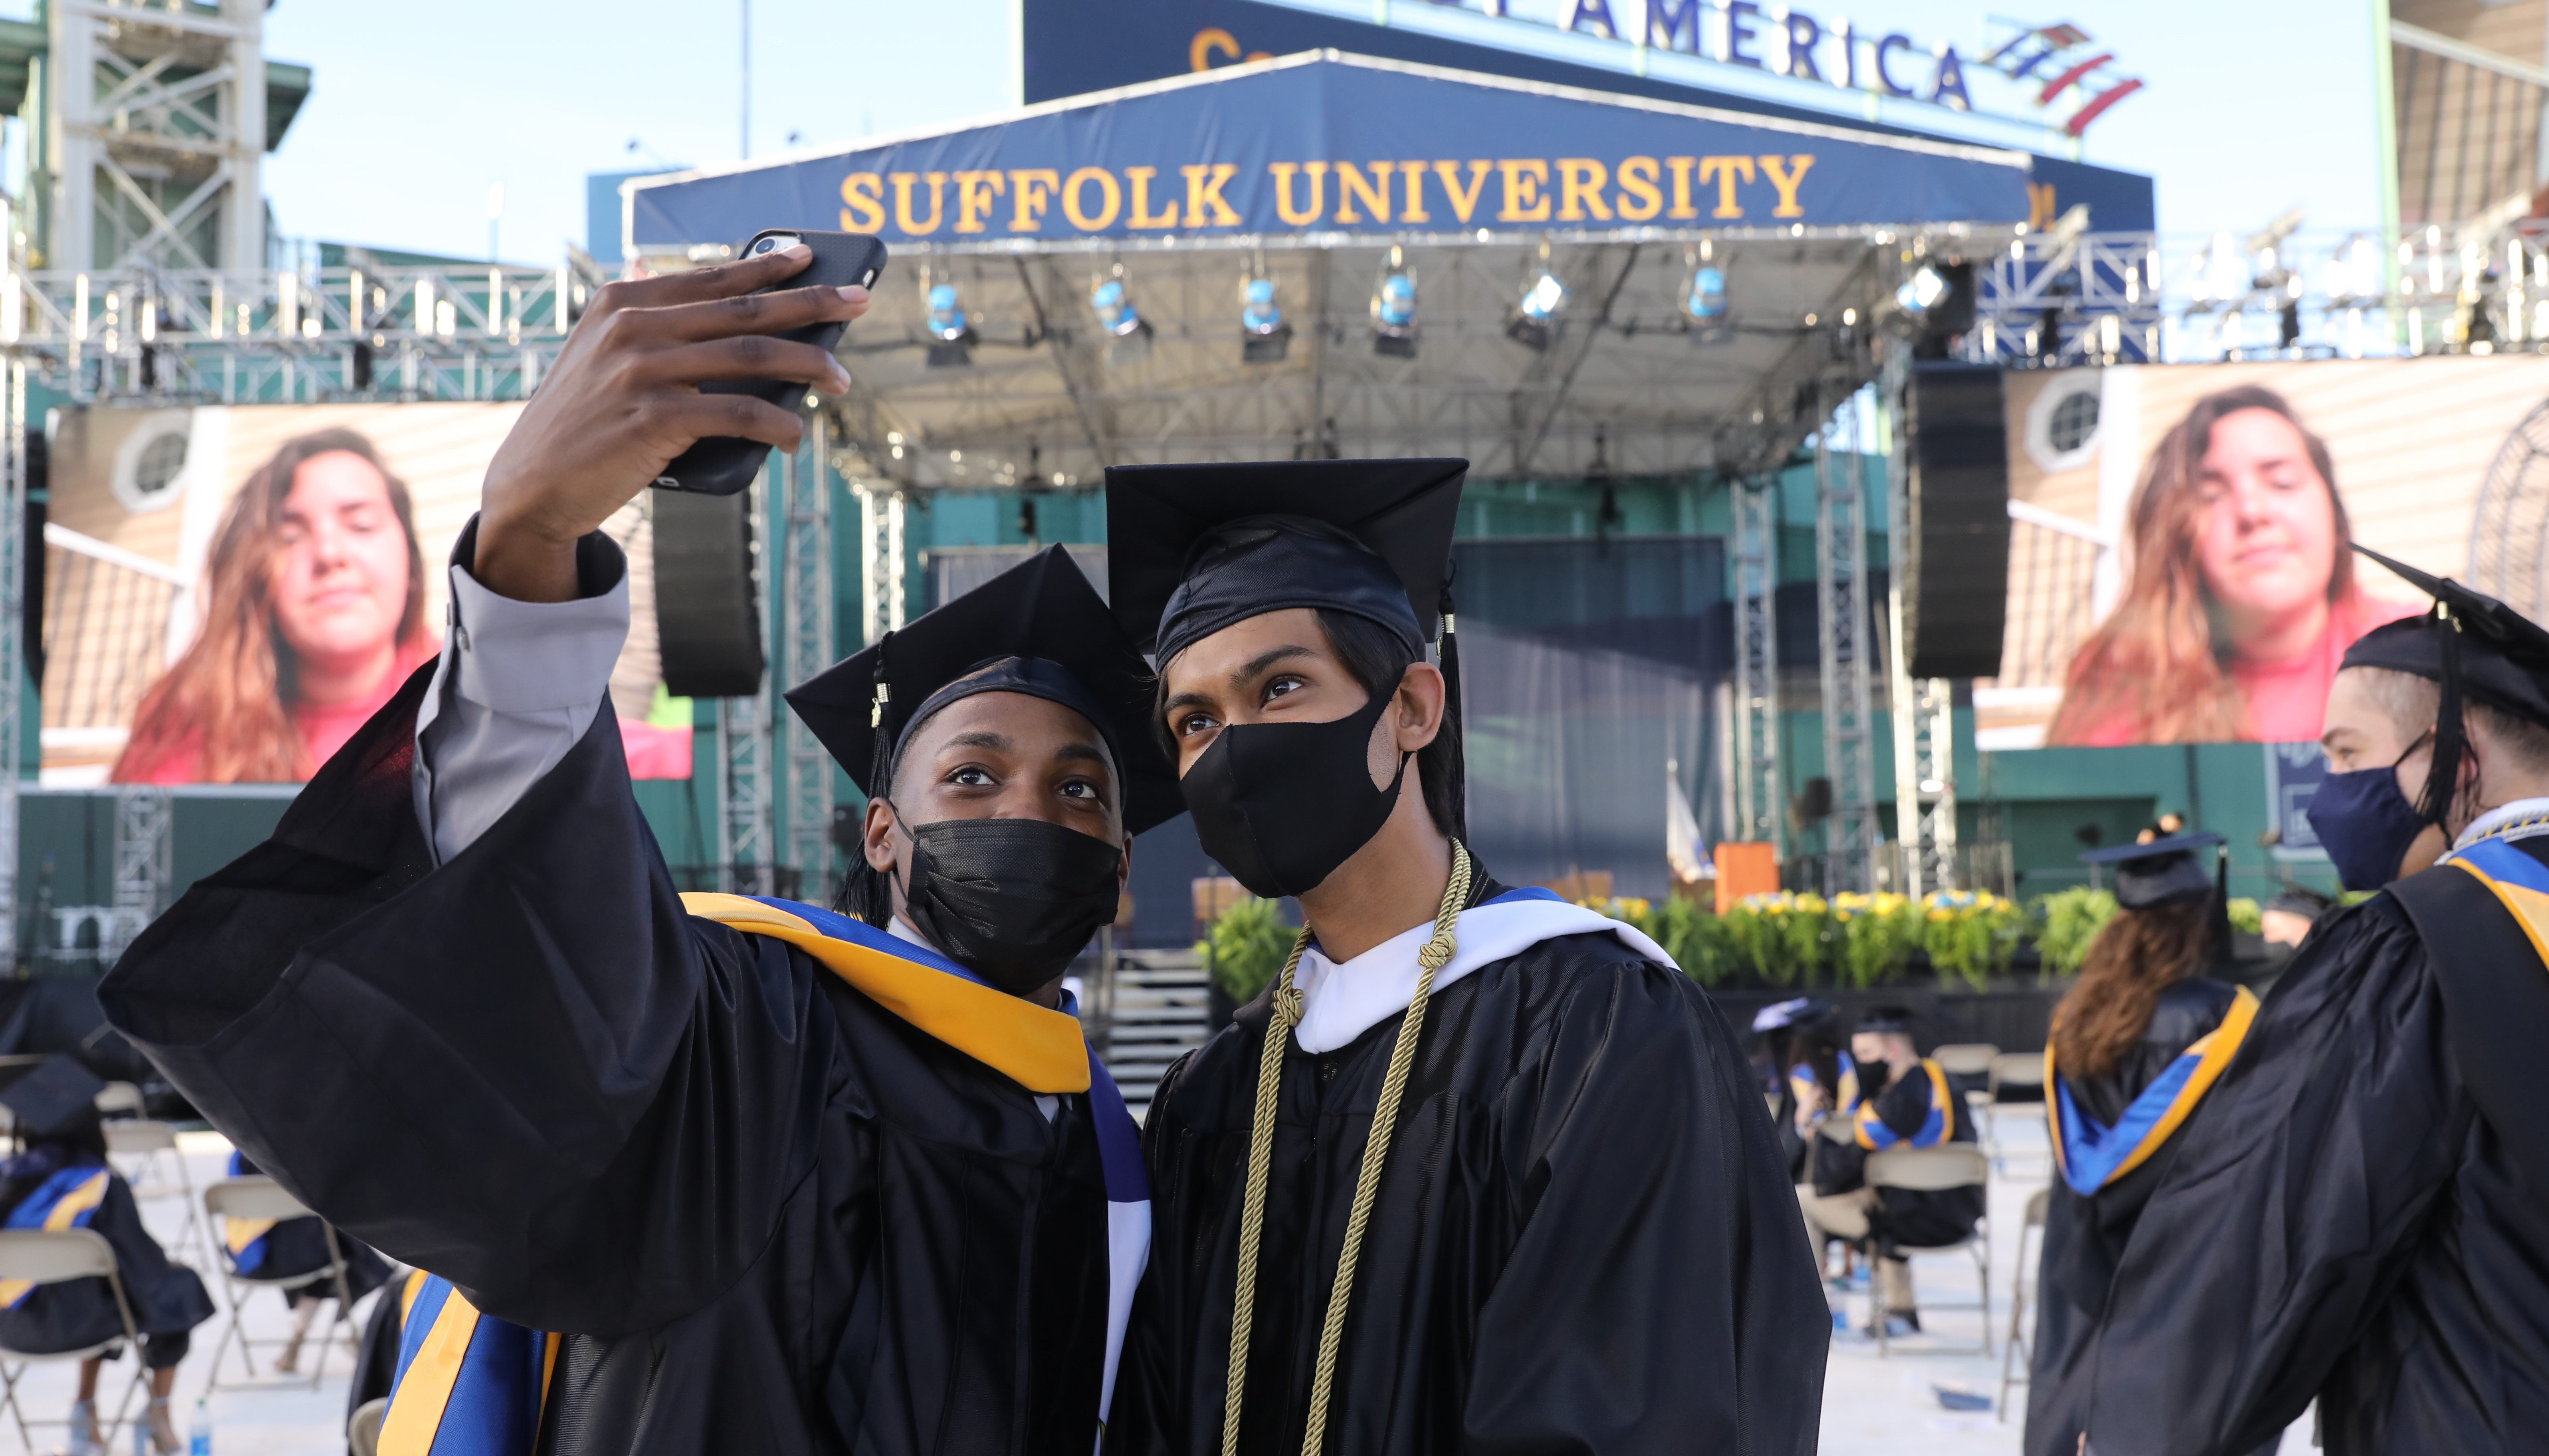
column 42, row 1256
column 264, row 1200
column 118, row 1100
column 1929, row 1170
column 151, row 1150
column 363, row 1428
column 2019, row 1352
column 2009, row 1069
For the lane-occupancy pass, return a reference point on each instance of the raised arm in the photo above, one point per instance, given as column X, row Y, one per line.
column 455, row 1004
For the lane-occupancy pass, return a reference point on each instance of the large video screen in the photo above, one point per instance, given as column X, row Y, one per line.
column 2179, row 570
column 229, row 592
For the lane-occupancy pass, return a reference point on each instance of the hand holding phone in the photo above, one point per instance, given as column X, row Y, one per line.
column 723, row 465
column 627, row 396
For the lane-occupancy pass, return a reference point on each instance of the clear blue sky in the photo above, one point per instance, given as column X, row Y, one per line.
column 2252, row 106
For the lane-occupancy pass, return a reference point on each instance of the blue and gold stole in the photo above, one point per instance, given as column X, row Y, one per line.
column 2518, row 881
column 1802, row 1082
column 245, row 1238
column 2090, row 1154
column 1937, row 1127
column 1041, row 1050
column 66, row 1200
column 466, row 1384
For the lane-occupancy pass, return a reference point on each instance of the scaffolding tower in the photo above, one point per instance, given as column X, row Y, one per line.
column 805, row 649
column 1924, row 783
column 1758, row 808
column 1841, row 621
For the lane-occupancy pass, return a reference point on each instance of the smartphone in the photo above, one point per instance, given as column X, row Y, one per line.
column 721, row 465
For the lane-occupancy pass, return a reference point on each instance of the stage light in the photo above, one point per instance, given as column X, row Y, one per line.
column 1257, row 311
column 1112, row 303
column 951, row 328
column 1544, row 298
column 947, row 314
column 1706, row 302
column 1265, row 337
column 1393, row 309
column 1922, row 292
column 1541, row 297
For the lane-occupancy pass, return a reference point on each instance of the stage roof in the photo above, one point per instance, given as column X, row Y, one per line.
column 1313, row 172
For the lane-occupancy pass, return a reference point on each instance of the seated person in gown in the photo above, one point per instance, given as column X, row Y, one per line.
column 457, row 1381
column 61, row 1179
column 2139, row 1040
column 267, row 1249
column 1904, row 1101
column 1802, row 1067
column 785, row 1181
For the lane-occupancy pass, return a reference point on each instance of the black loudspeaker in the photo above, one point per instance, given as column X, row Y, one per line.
column 708, row 604
column 1955, row 584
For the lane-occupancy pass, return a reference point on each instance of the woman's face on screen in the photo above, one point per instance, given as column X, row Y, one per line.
column 2265, row 533
column 341, row 576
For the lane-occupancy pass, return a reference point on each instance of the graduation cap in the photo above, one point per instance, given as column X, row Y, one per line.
column 1038, row 629
column 1887, row 1019
column 1778, row 1016
column 1192, row 549
column 2163, row 871
column 52, row 1098
column 2474, row 647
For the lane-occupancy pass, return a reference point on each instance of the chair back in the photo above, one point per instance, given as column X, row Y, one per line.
column 1839, row 1129
column 2037, row 1204
column 137, row 1138
column 55, row 1255
column 1929, row 1169
column 1965, row 1059
column 252, row 1198
column 2017, row 1069
column 363, row 1431
column 118, row 1099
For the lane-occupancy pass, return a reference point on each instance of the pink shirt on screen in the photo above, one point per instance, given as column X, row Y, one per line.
column 2288, row 699
column 324, row 727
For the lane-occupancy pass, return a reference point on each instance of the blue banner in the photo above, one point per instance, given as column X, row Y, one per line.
column 1342, row 144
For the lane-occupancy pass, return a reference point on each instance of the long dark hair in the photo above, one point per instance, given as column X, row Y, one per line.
column 2137, row 954
column 231, row 692
column 2161, row 658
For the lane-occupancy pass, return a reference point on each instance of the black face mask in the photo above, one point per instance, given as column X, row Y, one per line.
column 1011, row 900
column 1281, row 805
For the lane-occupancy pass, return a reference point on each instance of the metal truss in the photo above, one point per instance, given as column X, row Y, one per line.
column 881, row 547
column 805, row 649
column 2049, row 299
column 154, row 129
column 1621, row 369
column 146, row 334
column 144, row 841
column 1760, row 805
column 745, row 864
column 1841, row 619
column 13, row 671
column 1924, row 857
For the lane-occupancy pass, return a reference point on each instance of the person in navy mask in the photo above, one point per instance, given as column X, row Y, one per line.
column 2354, row 1214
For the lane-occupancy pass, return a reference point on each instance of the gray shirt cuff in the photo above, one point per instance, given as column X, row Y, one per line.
column 517, row 687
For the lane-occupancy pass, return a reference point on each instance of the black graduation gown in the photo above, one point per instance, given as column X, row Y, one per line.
column 1903, row 1217
column 2084, row 1238
column 769, row 1215
column 167, row 1300
column 2339, row 1222
column 1582, row 1241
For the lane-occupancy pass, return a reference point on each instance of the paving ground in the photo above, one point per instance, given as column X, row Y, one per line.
column 1872, row 1405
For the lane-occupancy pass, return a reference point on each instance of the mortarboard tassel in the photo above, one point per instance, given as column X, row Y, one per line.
column 2443, row 781
column 1457, row 756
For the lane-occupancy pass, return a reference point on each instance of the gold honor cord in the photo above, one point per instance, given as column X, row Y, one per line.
column 1260, row 1147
